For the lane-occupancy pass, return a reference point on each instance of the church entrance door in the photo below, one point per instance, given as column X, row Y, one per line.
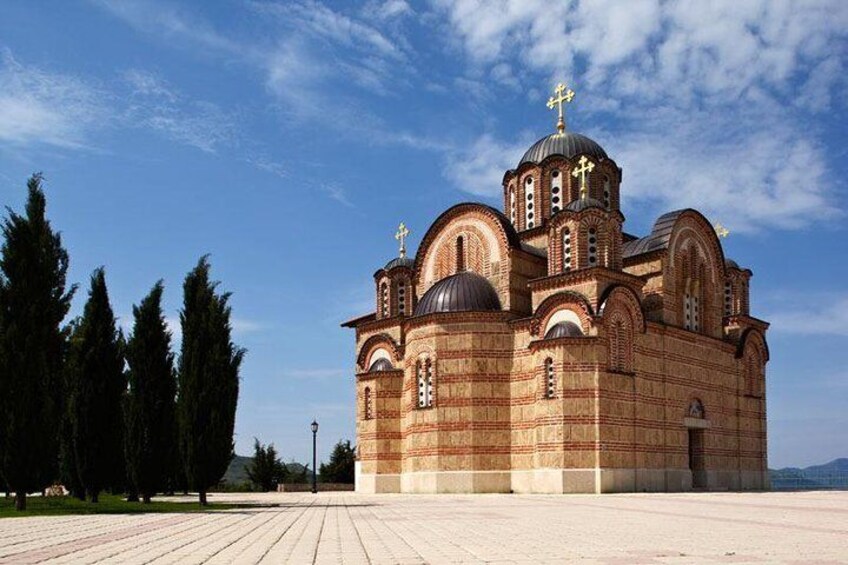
column 696, row 458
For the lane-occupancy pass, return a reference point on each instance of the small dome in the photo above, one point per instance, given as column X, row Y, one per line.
column 568, row 144
column 564, row 329
column 731, row 264
column 400, row 262
column 584, row 203
column 462, row 292
column 382, row 364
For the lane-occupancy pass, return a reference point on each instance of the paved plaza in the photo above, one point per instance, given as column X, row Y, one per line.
column 804, row 527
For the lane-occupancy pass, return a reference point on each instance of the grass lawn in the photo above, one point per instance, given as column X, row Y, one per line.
column 109, row 504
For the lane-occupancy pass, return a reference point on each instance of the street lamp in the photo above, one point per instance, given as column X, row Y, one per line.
column 314, row 463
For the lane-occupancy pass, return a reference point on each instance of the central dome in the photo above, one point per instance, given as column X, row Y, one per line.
column 568, row 144
column 462, row 292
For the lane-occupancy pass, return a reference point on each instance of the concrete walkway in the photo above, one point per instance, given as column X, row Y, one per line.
column 347, row 528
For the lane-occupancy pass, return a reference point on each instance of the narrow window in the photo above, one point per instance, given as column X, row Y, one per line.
column 692, row 306
column 696, row 307
column 530, row 214
column 419, row 373
column 368, row 409
column 424, row 373
column 593, row 247
column 550, row 378
column 428, row 373
column 728, row 299
column 401, row 297
column 460, row 254
column 512, row 204
column 384, row 300
column 566, row 250
column 607, row 199
column 556, row 191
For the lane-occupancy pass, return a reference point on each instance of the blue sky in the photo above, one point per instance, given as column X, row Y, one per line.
column 288, row 139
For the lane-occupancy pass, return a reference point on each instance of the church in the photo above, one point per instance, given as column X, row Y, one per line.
column 543, row 349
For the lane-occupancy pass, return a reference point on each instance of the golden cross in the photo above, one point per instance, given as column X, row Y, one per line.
column 564, row 94
column 720, row 230
column 401, row 237
column 586, row 167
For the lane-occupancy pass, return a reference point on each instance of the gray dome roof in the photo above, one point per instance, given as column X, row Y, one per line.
column 564, row 329
column 462, row 292
column 584, row 203
column 568, row 144
column 400, row 262
column 381, row 365
column 731, row 264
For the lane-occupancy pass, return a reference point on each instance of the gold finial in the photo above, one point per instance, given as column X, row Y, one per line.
column 586, row 167
column 564, row 94
column 401, row 237
column 720, row 230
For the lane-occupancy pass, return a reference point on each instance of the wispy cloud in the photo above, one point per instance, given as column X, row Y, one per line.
column 827, row 314
column 42, row 107
column 156, row 105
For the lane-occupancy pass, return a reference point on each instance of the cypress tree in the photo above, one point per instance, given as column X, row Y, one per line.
column 33, row 302
column 151, row 418
column 208, row 381
column 97, row 367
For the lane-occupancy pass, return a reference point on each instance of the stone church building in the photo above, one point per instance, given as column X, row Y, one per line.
column 543, row 349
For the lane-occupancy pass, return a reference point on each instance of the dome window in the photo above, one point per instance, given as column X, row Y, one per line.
column 528, row 203
column 556, row 188
column 566, row 250
column 593, row 247
column 368, row 408
column 607, row 198
column 401, row 294
column 728, row 299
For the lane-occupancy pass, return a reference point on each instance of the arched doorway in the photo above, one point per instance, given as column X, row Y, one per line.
column 696, row 425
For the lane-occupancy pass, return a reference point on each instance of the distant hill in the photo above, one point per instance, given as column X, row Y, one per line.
column 833, row 475
column 237, row 471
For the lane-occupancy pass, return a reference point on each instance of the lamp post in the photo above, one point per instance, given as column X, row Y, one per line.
column 314, row 462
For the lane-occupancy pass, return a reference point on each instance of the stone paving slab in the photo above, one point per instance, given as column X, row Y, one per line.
column 346, row 528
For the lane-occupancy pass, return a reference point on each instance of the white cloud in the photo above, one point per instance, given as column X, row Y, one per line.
column 386, row 10
column 480, row 168
column 828, row 315
column 41, row 107
column 700, row 94
column 244, row 326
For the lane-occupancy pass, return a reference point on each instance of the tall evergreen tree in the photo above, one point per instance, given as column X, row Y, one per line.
column 33, row 302
column 208, row 381
column 96, row 364
column 151, row 419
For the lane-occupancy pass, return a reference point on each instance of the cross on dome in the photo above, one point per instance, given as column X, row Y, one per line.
column 564, row 94
column 401, row 237
column 586, row 167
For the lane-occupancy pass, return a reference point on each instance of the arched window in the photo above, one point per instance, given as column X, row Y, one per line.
column 607, row 197
column 424, row 372
column 556, row 191
column 696, row 409
column 460, row 254
column 512, row 204
column 728, row 299
column 550, row 378
column 401, row 297
column 692, row 305
column 384, row 300
column 529, row 205
column 367, row 407
column 592, row 241
column 566, row 249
